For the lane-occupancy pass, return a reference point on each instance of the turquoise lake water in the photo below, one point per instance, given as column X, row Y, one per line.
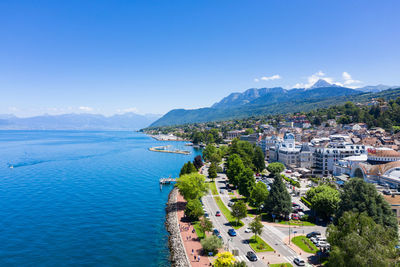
column 84, row 198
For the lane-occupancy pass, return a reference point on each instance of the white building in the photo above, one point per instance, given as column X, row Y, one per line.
column 325, row 158
column 289, row 154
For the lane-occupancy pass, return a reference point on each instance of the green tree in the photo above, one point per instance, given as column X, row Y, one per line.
column 210, row 139
column 324, row 200
column 197, row 138
column 239, row 264
column 239, row 211
column 192, row 186
column 279, row 201
column 206, row 224
column 275, row 168
column 187, row 168
column 249, row 131
column 211, row 243
column 359, row 196
column 234, row 168
column 194, row 209
column 246, row 182
column 256, row 226
column 212, row 171
column 208, row 151
column 259, row 194
column 211, row 153
column 259, row 159
column 358, row 241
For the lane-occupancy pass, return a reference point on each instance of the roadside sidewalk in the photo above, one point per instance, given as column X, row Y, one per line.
column 189, row 237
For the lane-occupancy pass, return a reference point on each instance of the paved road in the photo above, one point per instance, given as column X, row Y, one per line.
column 222, row 224
column 270, row 234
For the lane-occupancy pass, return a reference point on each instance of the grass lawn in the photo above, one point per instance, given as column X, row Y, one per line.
column 281, row 265
column 259, row 245
column 305, row 244
column 298, row 223
column 227, row 213
column 198, row 230
column 213, row 188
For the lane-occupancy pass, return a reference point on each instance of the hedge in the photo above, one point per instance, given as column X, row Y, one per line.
column 306, row 202
column 291, row 181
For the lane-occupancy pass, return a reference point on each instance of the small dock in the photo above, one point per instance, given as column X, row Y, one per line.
column 168, row 180
column 165, row 150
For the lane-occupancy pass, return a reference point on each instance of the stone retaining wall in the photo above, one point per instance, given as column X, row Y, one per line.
column 178, row 256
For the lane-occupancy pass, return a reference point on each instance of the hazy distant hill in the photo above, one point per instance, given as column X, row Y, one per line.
column 262, row 101
column 376, row 88
column 127, row 121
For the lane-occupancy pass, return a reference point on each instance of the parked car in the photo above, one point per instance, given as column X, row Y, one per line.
column 217, row 233
column 312, row 234
column 314, row 239
column 222, row 191
column 206, row 215
column 218, row 213
column 387, row 192
column 299, row 262
column 230, row 204
column 321, row 244
column 247, row 230
column 251, row 256
column 232, row 232
column 295, row 216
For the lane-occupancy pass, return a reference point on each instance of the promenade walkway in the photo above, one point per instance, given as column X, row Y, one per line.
column 189, row 237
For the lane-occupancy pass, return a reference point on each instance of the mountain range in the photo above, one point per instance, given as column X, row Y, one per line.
column 126, row 121
column 262, row 101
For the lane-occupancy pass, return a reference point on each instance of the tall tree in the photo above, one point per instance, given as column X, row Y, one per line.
column 256, row 226
column 358, row 241
column 324, row 200
column 212, row 171
column 206, row 224
column 239, row 211
column 192, row 186
column 259, row 194
column 234, row 168
column 198, row 162
column 279, row 200
column 187, row 168
column 194, row 209
column 246, row 182
column 359, row 196
column 275, row 168
column 259, row 159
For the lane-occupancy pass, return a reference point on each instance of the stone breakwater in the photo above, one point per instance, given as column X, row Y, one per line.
column 178, row 255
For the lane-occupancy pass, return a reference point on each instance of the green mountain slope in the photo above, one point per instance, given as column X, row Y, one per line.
column 299, row 101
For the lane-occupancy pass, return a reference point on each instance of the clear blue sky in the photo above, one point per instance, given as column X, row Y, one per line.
column 153, row 56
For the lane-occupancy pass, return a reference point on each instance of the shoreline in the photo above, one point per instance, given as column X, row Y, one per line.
column 178, row 257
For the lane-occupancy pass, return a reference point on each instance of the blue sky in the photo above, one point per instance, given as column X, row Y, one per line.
column 152, row 56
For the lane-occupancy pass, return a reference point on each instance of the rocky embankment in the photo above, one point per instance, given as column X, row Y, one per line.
column 178, row 256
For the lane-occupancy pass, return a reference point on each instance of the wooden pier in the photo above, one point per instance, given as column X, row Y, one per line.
column 168, row 180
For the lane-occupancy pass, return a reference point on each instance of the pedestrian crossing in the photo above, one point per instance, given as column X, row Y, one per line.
column 242, row 258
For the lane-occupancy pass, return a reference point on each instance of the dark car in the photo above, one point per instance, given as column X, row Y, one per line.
column 299, row 262
column 251, row 256
column 217, row 233
column 232, row 232
column 218, row 213
column 312, row 234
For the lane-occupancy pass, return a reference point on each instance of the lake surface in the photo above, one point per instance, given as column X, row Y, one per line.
column 84, row 198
